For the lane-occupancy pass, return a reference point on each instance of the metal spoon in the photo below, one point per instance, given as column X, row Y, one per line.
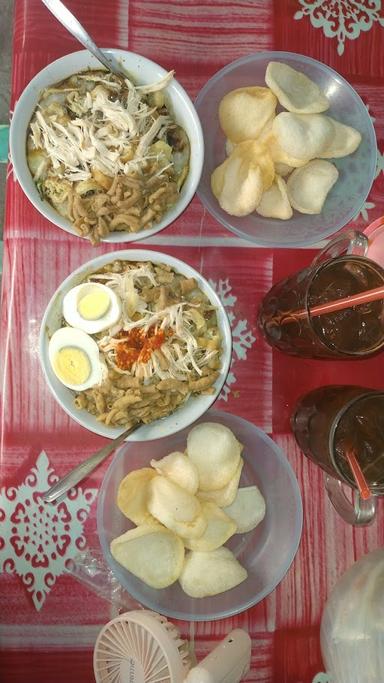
column 86, row 467
column 73, row 26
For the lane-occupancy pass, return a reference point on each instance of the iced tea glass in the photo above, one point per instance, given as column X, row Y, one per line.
column 355, row 332
column 332, row 420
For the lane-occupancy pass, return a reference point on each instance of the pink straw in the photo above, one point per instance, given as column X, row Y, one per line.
column 358, row 475
column 339, row 305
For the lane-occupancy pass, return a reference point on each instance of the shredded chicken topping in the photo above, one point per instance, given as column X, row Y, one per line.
column 165, row 348
column 107, row 154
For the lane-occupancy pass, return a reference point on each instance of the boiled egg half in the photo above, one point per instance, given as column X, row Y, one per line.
column 91, row 307
column 75, row 360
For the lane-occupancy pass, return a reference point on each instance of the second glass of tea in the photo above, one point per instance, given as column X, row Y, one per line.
column 339, row 271
column 331, row 422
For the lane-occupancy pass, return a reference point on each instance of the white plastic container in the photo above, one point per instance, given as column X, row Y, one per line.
column 352, row 628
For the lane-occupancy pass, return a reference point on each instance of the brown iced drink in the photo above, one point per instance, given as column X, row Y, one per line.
column 329, row 421
column 353, row 332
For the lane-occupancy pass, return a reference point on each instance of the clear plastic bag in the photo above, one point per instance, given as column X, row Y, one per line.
column 90, row 568
column 352, row 628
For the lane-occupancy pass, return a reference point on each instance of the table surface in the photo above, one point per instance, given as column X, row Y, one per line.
column 49, row 622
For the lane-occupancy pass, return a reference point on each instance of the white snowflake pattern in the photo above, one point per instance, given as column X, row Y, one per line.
column 242, row 337
column 321, row 678
column 367, row 206
column 224, row 289
column 341, row 19
column 37, row 539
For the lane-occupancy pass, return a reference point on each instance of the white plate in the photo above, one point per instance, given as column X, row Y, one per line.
column 183, row 416
column 266, row 552
column 142, row 71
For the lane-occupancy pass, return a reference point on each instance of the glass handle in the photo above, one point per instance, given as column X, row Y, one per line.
column 359, row 513
column 348, row 242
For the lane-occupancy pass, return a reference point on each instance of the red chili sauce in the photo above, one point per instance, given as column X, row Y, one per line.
column 137, row 346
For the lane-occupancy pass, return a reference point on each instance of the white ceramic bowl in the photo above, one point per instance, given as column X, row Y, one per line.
column 142, row 71
column 189, row 411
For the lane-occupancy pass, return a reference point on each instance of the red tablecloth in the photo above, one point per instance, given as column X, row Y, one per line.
column 48, row 621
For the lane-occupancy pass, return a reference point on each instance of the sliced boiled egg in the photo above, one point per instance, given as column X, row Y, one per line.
column 75, row 359
column 91, row 307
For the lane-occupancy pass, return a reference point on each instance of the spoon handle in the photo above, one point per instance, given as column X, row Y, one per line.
column 86, row 467
column 70, row 22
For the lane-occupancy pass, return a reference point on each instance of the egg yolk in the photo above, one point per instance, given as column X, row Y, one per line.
column 72, row 365
column 93, row 305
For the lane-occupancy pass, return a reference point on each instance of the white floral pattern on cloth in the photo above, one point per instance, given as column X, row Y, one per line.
column 321, row 678
column 242, row 337
column 341, row 18
column 37, row 539
column 367, row 206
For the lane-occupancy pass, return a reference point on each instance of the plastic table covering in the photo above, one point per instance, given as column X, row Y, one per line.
column 49, row 621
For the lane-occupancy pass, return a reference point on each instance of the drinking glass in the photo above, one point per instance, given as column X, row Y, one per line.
column 332, row 420
column 340, row 270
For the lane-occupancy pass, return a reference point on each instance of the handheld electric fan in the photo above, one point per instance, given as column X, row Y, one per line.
column 144, row 647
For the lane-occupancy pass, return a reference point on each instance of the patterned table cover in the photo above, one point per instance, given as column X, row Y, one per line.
column 49, row 621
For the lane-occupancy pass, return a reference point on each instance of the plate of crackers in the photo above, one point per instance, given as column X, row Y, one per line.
column 290, row 149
